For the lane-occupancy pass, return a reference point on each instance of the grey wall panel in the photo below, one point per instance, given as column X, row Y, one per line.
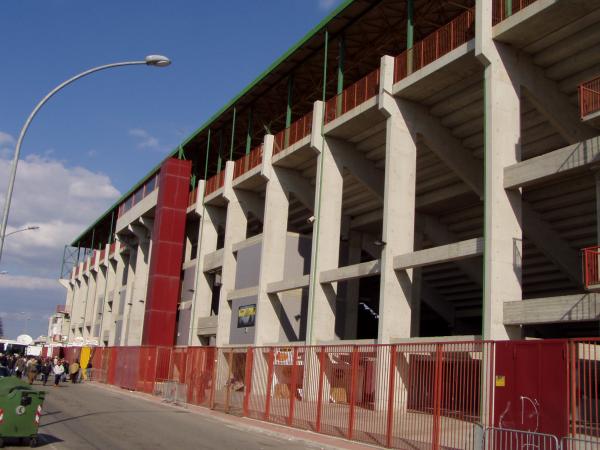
column 241, row 334
column 118, row 330
column 183, row 325
column 188, row 284
column 248, row 266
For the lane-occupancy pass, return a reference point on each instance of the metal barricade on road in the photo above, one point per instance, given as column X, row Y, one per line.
column 571, row 443
column 171, row 392
column 507, row 439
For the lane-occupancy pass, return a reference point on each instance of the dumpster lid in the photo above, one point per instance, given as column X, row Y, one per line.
column 8, row 384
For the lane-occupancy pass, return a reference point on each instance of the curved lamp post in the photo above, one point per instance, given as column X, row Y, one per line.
column 22, row 229
column 150, row 60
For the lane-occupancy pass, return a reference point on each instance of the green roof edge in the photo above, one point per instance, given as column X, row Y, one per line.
column 203, row 127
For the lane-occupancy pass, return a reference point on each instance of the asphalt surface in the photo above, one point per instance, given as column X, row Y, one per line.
column 85, row 416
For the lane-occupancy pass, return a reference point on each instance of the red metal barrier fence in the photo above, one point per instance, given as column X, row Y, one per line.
column 591, row 274
column 351, row 97
column 501, row 9
column 214, row 183
column 589, row 97
column 248, row 162
column 442, row 41
column 413, row 395
column 297, row 131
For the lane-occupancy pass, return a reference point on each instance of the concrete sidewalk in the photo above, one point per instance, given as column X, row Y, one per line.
column 309, row 438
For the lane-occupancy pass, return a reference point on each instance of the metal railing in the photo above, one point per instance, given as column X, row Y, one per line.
column 351, row 97
column 501, row 9
column 143, row 191
column 442, row 41
column 589, row 97
column 214, row 183
column 591, row 275
column 248, row 162
column 506, row 439
column 297, row 131
column 192, row 197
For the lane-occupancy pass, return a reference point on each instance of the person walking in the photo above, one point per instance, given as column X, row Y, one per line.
column 58, row 370
column 74, row 371
column 32, row 370
column 46, row 369
column 20, row 367
column 88, row 371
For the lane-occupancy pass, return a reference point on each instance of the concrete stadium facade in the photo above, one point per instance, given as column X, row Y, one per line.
column 441, row 186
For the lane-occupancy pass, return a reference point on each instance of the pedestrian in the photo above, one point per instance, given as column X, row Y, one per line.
column 65, row 365
column 88, row 371
column 46, row 369
column 31, row 370
column 74, row 371
column 58, row 370
column 20, row 367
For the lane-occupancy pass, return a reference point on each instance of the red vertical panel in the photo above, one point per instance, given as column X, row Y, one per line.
column 167, row 253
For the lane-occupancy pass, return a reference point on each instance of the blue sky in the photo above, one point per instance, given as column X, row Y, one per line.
column 99, row 136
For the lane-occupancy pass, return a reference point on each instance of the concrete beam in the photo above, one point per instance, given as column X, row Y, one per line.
column 546, row 96
column 363, row 169
column 241, row 293
column 566, row 308
column 561, row 162
column 437, row 303
column 360, row 270
column 442, row 254
column 447, row 147
column 213, row 260
column 551, row 244
column 288, row 285
column 295, row 183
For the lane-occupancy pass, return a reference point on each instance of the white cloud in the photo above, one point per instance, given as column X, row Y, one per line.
column 144, row 139
column 6, row 139
column 62, row 201
column 29, row 283
column 327, row 4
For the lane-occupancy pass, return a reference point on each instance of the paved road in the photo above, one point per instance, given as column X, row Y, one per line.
column 91, row 417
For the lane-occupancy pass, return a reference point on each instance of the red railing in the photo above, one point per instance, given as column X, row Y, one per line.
column 297, row 131
column 143, row 191
column 351, row 97
column 102, row 254
column 589, row 97
column 215, row 182
column 591, row 275
column 405, row 395
column 62, row 309
column 501, row 9
column 192, row 197
column 452, row 35
column 248, row 162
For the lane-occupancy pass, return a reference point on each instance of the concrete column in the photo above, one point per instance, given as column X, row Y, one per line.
column 129, row 287
column 398, row 212
column 135, row 321
column 326, row 242
column 415, row 303
column 106, row 319
column 207, row 243
column 99, row 300
column 502, row 208
column 90, row 299
column 236, row 226
column 352, row 291
column 273, row 249
column 116, row 307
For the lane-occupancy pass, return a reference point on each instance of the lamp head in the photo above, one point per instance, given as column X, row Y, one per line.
column 35, row 227
column 157, row 60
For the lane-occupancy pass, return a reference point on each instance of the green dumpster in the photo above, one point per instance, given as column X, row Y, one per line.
column 20, row 410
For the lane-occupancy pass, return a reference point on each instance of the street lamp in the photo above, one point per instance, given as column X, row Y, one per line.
column 22, row 229
column 150, row 60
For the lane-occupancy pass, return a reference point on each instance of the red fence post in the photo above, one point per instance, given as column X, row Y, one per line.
column 248, row 379
column 437, row 396
column 213, row 382
column 390, row 403
column 353, row 370
column 293, row 387
column 269, row 383
column 320, row 390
